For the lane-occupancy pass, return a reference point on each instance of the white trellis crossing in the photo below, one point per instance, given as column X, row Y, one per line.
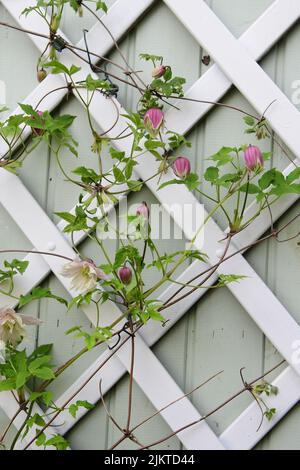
column 237, row 61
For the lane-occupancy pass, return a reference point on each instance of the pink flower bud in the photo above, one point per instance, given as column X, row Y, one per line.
column 36, row 130
column 159, row 71
column 182, row 167
column 143, row 210
column 125, row 275
column 253, row 158
column 153, row 121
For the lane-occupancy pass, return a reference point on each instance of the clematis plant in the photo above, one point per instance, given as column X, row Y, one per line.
column 233, row 177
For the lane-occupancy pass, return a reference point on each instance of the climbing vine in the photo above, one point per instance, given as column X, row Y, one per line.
column 235, row 175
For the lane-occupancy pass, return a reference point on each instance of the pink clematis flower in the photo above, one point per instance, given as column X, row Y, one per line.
column 159, row 71
column 182, row 167
column 143, row 210
column 153, row 120
column 125, row 275
column 253, row 158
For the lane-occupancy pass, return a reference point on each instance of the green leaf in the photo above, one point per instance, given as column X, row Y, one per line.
column 19, row 361
column 267, row 179
column 28, row 109
column 44, row 373
column 225, row 279
column 293, row 175
column 57, row 67
column 129, row 168
column 47, row 397
column 8, row 384
column 42, row 350
column 211, row 174
column 269, row 414
column 18, row 265
column 152, row 58
column 36, row 419
column 87, row 174
column 74, row 69
column 266, row 156
column 119, row 175
column 41, row 439
column 85, row 404
column 40, row 293
column 116, row 154
column 13, row 268
column 134, row 185
column 223, row 156
column 38, row 362
column 227, row 179
column 155, row 315
column 192, row 181
column 59, row 442
column 101, row 6
column 154, row 144
column 21, row 379
column 168, row 74
column 66, row 216
column 250, row 188
column 73, row 409
column 168, row 183
column 249, row 120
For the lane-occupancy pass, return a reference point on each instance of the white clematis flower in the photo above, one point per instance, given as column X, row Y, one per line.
column 12, row 326
column 84, row 274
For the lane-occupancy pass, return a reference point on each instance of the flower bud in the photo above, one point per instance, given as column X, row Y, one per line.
column 159, row 71
column 143, row 210
column 153, row 121
column 41, row 75
column 182, row 167
column 125, row 275
column 253, row 158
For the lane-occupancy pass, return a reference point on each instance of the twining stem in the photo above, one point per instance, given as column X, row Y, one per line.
column 215, row 410
column 34, row 252
column 130, row 393
column 132, row 430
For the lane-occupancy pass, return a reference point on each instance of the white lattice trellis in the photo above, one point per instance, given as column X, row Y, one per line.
column 236, row 59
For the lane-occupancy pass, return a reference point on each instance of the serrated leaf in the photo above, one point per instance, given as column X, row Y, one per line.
column 38, row 362
column 8, row 384
column 44, row 373
column 211, row 174
column 40, row 293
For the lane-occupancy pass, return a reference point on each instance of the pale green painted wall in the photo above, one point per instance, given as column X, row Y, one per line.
column 217, row 333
